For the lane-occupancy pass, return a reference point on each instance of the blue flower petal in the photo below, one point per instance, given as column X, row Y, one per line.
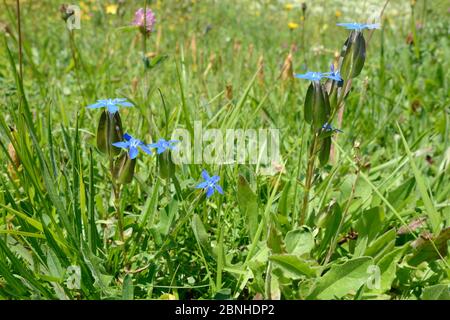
column 219, row 188
column 112, row 108
column 125, row 104
column 209, row 192
column 127, row 137
column 133, row 152
column 202, row 185
column 205, row 175
column 121, row 144
column 312, row 76
column 359, row 26
column 373, row 26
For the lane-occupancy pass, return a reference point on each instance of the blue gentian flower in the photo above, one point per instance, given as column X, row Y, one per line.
column 210, row 184
column 162, row 145
column 111, row 104
column 312, row 76
column 333, row 75
column 132, row 144
column 359, row 26
column 327, row 127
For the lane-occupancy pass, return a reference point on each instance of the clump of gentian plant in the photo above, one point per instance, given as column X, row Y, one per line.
column 324, row 98
column 110, row 141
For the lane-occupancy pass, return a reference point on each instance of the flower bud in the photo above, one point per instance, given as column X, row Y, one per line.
column 317, row 105
column 124, row 169
column 166, row 165
column 109, row 131
column 354, row 55
column 324, row 154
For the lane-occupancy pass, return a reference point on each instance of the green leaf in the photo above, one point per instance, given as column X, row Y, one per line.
column 425, row 249
column 370, row 223
column 294, row 266
column 436, row 292
column 200, row 232
column 382, row 244
column 331, row 225
column 342, row 279
column 248, row 205
column 433, row 215
column 398, row 197
column 309, row 102
column 299, row 241
column 275, row 240
column 388, row 267
column 128, row 288
column 166, row 219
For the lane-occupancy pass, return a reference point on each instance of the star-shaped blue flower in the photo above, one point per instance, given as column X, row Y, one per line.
column 111, row 104
column 327, row 127
column 132, row 144
column 210, row 184
column 162, row 145
column 359, row 26
column 312, row 76
column 333, row 75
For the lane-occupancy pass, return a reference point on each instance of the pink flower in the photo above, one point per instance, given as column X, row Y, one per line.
column 145, row 21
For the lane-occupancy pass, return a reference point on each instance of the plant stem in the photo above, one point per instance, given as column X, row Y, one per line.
column 19, row 30
column 73, row 49
column 309, row 176
column 116, row 191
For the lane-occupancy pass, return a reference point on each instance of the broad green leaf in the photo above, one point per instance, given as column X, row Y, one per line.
column 299, row 241
column 398, row 197
column 275, row 240
column 342, row 279
column 200, row 232
column 388, row 268
column 294, row 266
column 382, row 244
column 425, row 249
column 370, row 224
column 436, row 292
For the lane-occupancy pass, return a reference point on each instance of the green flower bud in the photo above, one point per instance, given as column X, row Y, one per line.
column 166, row 165
column 124, row 169
column 317, row 105
column 109, row 131
column 354, row 55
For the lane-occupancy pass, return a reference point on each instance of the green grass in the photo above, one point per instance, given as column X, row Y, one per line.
column 382, row 200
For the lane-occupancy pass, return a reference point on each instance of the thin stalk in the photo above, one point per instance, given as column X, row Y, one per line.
column 309, row 176
column 116, row 192
column 19, row 30
column 76, row 64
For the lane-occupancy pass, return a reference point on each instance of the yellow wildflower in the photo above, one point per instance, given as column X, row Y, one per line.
column 293, row 25
column 289, row 6
column 112, row 9
column 338, row 14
